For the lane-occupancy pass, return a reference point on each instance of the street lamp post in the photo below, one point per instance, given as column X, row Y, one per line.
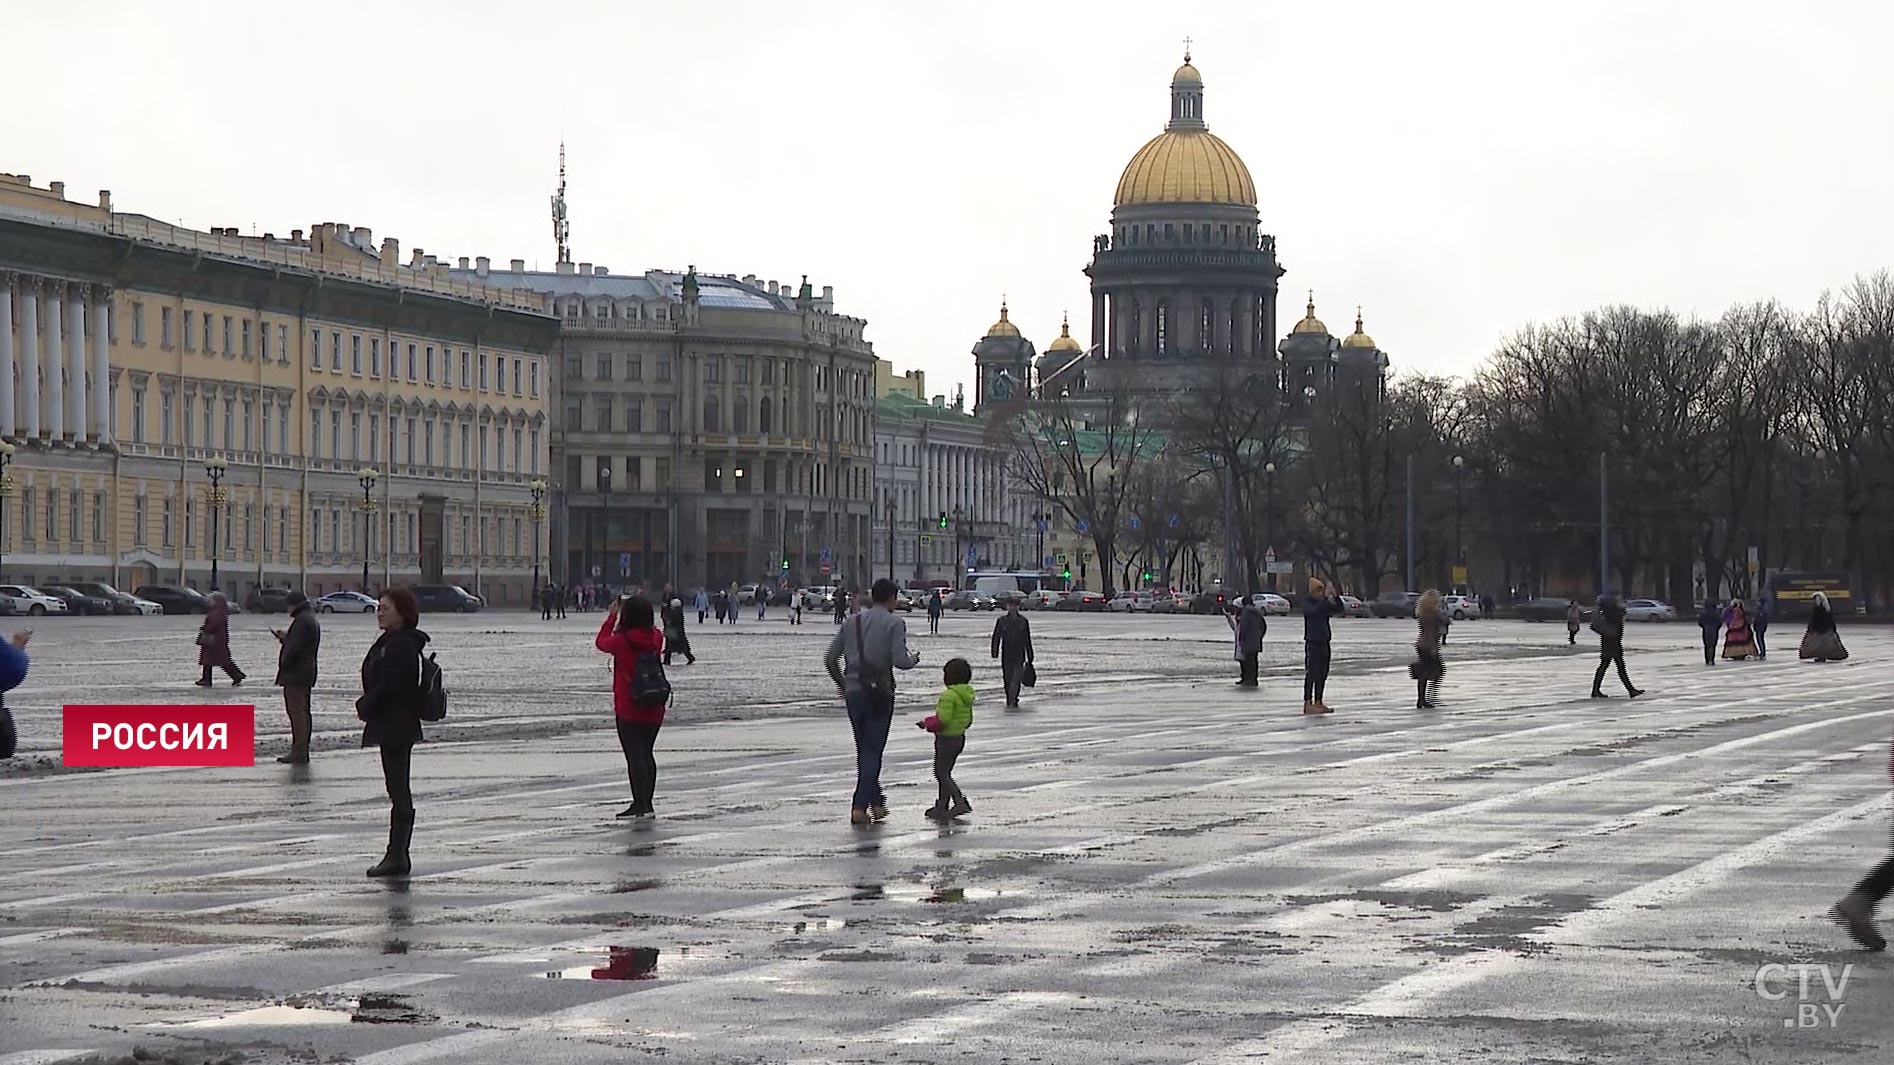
column 1459, row 551
column 959, row 571
column 6, row 489
column 366, row 477
column 1269, row 517
column 1040, row 519
column 214, row 468
column 538, row 489
column 891, row 573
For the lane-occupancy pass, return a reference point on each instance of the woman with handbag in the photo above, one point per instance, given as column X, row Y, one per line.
column 1822, row 643
column 213, row 642
column 390, row 709
column 1428, row 668
column 1012, row 645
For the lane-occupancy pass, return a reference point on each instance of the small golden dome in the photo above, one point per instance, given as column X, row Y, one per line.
column 1065, row 341
column 1186, row 75
column 1310, row 323
column 1186, row 166
column 1358, row 339
column 1003, row 328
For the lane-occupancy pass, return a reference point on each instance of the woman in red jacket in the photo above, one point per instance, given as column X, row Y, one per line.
column 639, row 692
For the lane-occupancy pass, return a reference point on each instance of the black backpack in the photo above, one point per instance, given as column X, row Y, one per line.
column 433, row 704
column 648, row 682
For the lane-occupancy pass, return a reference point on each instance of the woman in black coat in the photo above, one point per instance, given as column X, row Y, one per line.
column 1821, row 642
column 390, row 707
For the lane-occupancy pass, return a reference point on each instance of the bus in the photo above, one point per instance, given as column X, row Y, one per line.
column 1002, row 582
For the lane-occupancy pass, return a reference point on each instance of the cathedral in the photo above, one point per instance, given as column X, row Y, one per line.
column 1184, row 288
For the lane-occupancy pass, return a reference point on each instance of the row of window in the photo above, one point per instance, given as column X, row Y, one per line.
column 414, row 440
column 423, row 367
column 768, row 371
column 338, row 530
column 243, row 429
column 1186, row 233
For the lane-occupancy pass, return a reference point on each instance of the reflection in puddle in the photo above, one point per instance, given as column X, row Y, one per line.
column 622, row 963
column 626, row 887
column 820, row 924
column 272, row 1015
column 867, row 893
column 922, row 893
column 321, row 1009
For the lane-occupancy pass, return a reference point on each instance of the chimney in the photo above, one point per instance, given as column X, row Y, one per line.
column 565, row 268
column 364, row 238
column 772, row 288
column 461, row 263
column 518, row 266
column 390, row 251
column 585, row 269
column 481, row 265
column 600, row 271
column 269, row 236
column 749, row 279
column 57, row 188
column 419, row 258
column 432, row 262
column 296, row 235
column 828, row 296
column 940, row 401
column 105, row 199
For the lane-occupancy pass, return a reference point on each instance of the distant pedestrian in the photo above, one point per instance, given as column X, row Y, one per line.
column 721, row 604
column 1317, row 608
column 1822, row 643
column 1710, row 620
column 559, row 601
column 213, row 642
column 1572, row 618
column 1428, row 667
column 1738, row 644
column 676, row 640
column 936, row 606
column 1759, row 625
column 1608, row 622
column 1012, row 645
column 1247, row 621
column 390, row 709
column 841, row 604
column 640, row 693
column 736, row 601
column 762, row 602
column 1486, row 605
column 296, row 673
column 953, row 715
column 703, row 606
column 873, row 646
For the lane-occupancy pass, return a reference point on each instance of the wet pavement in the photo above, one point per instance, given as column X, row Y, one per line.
column 1159, row 868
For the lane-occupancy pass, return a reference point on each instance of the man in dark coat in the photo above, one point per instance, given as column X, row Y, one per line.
column 1012, row 645
column 1250, row 625
column 1759, row 624
column 1608, row 619
column 1710, row 621
column 296, row 673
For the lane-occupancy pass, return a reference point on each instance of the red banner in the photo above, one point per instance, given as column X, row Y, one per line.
column 154, row 735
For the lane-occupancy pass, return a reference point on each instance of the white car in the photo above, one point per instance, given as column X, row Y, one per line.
column 1460, row 607
column 1271, row 603
column 346, row 603
column 32, row 601
column 1040, row 600
column 146, row 608
column 1649, row 610
column 1131, row 602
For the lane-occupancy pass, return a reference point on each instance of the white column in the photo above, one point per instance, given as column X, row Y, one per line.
column 53, row 395
column 75, row 360
column 29, row 355
column 101, row 394
column 6, row 353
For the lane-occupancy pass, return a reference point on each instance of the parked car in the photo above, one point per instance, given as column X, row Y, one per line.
column 1649, row 610
column 78, row 602
column 446, row 598
column 747, row 594
column 1548, row 608
column 267, row 601
column 1041, row 600
column 345, row 603
column 31, row 601
column 965, row 600
column 1353, row 607
column 1130, row 603
column 1209, row 602
column 819, row 597
column 173, row 599
column 1270, row 603
column 1460, row 607
column 1171, row 603
column 1091, row 602
column 122, row 602
column 1394, row 604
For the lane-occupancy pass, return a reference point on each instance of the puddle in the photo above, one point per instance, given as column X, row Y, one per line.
column 626, row 887
column 824, row 924
column 317, row 1010
column 273, row 1016
column 925, row 894
column 631, row 963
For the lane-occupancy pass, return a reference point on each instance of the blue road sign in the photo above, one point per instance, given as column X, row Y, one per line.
column 1049, row 560
column 1084, row 526
column 624, row 562
column 826, row 557
column 973, row 557
column 1172, row 521
column 1134, row 522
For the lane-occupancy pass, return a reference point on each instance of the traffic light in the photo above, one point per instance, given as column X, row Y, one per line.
column 1067, row 575
column 785, row 565
column 943, row 519
column 1147, row 575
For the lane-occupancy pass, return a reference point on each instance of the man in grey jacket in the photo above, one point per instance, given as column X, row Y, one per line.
column 296, row 672
column 862, row 658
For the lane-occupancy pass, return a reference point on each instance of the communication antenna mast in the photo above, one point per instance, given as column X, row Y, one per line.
column 561, row 226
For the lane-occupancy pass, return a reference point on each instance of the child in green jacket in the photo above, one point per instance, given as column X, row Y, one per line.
column 953, row 714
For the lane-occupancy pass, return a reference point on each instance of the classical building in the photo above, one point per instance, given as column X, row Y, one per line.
column 1314, row 361
column 707, row 428
column 137, row 357
column 1003, row 364
column 935, row 461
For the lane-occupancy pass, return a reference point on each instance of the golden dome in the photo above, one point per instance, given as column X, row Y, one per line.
column 1065, row 341
column 1310, row 323
column 1186, row 166
column 1358, row 339
column 1003, row 328
column 1187, row 75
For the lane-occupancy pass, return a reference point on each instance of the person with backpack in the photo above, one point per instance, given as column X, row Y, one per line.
column 1428, row 667
column 1710, row 622
column 640, row 692
column 874, row 644
column 399, row 689
column 1608, row 622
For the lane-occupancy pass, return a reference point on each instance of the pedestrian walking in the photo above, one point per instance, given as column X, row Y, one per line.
column 640, row 693
column 213, row 643
column 390, row 709
column 1759, row 626
column 936, row 606
column 1710, row 620
column 762, row 602
column 1317, row 608
column 1428, row 667
column 1855, row 911
column 873, row 645
column 1572, row 619
column 296, row 673
column 545, row 602
column 953, row 715
column 1608, row 622
column 559, row 600
column 795, row 607
column 721, row 604
column 1738, row 643
column 1822, row 643
column 1012, row 645
column 703, row 606
column 13, row 663
column 841, row 604
column 1250, row 626
column 736, row 602
column 676, row 640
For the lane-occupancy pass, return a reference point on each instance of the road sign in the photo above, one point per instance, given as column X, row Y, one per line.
column 596, row 571
column 825, row 569
column 1042, row 523
column 624, row 562
column 1134, row 522
column 827, row 557
column 973, row 556
column 1269, row 555
column 927, row 541
column 1280, row 567
column 1172, row 521
column 1084, row 526
column 1048, row 560
column 1061, row 557
column 1459, row 575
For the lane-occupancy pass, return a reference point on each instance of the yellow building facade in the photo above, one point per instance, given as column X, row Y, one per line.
column 136, row 357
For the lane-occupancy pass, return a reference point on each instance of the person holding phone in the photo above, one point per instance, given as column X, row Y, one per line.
column 296, row 673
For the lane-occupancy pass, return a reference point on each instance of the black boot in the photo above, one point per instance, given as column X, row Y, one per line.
column 400, row 832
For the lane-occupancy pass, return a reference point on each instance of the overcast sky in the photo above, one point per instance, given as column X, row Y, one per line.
column 1459, row 169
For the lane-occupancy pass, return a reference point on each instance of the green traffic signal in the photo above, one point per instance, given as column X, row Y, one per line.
column 785, row 565
column 943, row 519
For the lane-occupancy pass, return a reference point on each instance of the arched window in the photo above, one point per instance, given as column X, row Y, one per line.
column 740, row 415
column 713, row 420
column 1207, row 328
column 762, row 417
column 1137, row 328
column 1163, row 327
